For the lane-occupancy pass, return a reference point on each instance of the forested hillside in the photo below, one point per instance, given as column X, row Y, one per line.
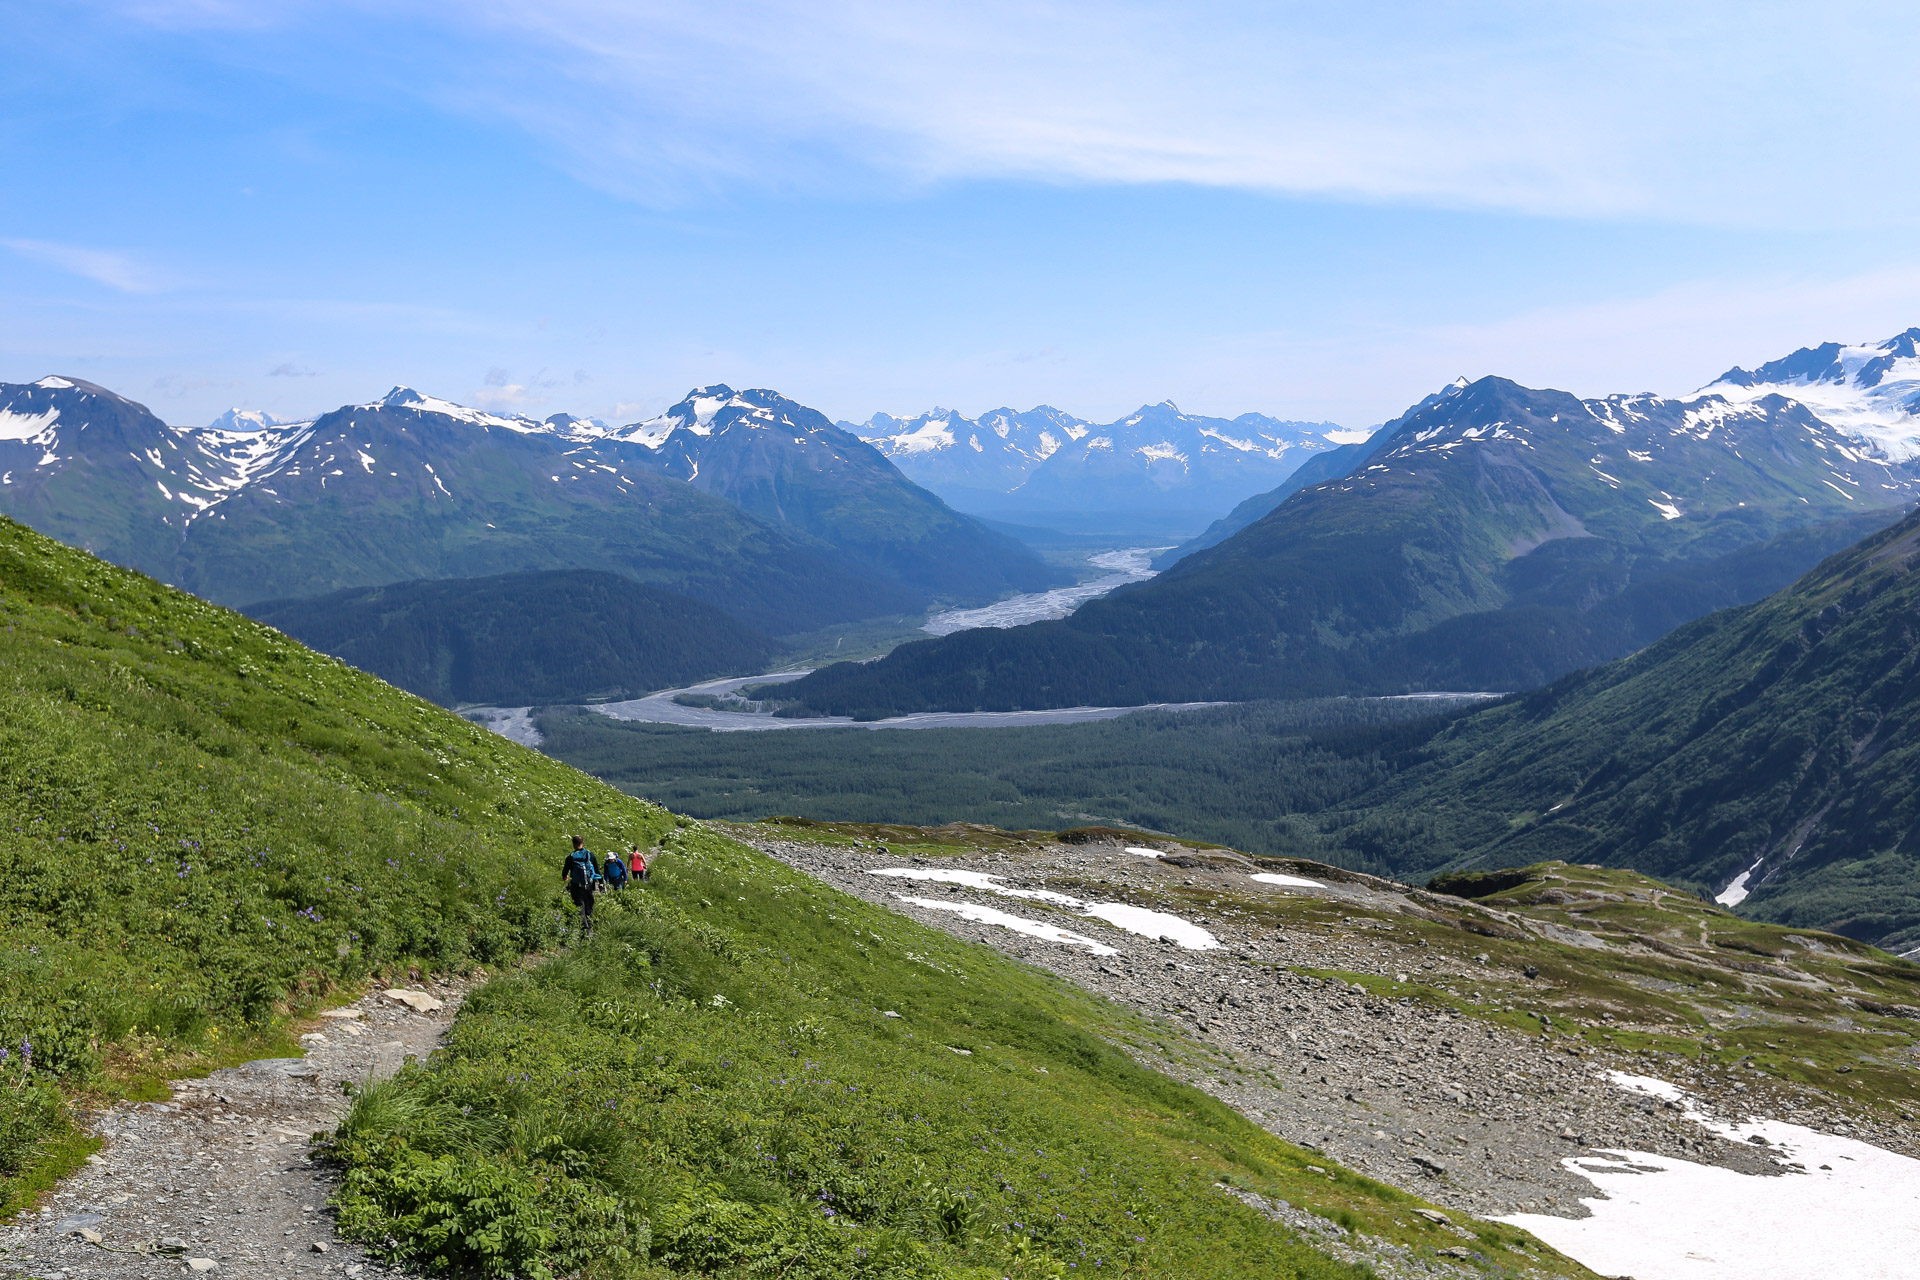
column 1778, row 741
column 564, row 635
column 1249, row 775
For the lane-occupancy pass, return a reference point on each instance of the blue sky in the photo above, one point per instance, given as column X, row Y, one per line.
column 1314, row 211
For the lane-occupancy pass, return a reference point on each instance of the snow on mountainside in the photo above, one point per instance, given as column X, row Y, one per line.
column 1039, row 464
column 780, row 460
column 412, row 487
column 1871, row 392
column 695, row 414
column 1681, row 456
column 49, row 426
column 995, row 453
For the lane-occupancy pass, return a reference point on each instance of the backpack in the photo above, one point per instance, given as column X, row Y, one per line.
column 581, row 873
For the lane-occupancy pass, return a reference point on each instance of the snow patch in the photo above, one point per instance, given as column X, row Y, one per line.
column 1140, row 920
column 1154, row 924
column 1838, row 1208
column 1018, row 924
column 1736, row 892
column 53, row 384
column 930, row 438
column 25, row 426
column 1297, row 882
column 1667, row 510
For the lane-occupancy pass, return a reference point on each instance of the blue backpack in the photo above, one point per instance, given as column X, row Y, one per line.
column 581, row 873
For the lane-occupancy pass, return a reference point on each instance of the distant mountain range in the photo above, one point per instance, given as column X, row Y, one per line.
column 1492, row 538
column 1154, row 470
column 1870, row 392
column 768, row 512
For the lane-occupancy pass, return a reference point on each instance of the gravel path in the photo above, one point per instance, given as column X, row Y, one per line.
column 218, row 1179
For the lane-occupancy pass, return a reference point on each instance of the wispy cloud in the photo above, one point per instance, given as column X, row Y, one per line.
column 102, row 266
column 1744, row 112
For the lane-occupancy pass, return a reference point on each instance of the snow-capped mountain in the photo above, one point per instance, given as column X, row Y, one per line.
column 961, row 458
column 781, row 460
column 1493, row 537
column 237, row 419
column 1156, row 465
column 1872, row 392
column 757, row 504
column 1158, row 458
column 88, row 466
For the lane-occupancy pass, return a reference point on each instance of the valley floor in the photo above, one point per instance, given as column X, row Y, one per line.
column 660, row 708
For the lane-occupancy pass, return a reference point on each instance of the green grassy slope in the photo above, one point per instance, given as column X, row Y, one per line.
column 517, row 638
column 204, row 826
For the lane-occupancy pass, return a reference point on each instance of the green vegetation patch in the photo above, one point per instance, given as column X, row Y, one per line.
column 745, row 1072
column 205, row 826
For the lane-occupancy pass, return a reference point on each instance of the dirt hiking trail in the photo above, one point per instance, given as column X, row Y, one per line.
column 218, row 1180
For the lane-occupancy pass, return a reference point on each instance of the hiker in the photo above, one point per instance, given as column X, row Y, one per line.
column 615, row 872
column 637, row 865
column 581, row 878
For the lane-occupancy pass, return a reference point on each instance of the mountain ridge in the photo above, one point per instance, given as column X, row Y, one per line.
column 779, row 460
column 1504, row 514
column 411, row 486
column 1158, row 461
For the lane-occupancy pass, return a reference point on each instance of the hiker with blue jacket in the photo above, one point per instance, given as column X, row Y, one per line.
column 581, row 877
column 615, row 872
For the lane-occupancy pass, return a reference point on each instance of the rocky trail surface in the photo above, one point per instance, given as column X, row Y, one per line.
column 1469, row 1112
column 218, row 1180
